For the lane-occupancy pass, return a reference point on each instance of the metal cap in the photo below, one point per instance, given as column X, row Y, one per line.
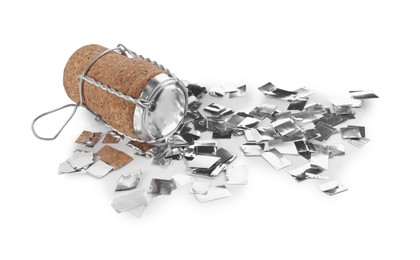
column 168, row 100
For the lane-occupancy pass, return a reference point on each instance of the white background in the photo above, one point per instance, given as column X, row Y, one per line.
column 330, row 47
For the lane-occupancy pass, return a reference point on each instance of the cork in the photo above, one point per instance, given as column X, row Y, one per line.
column 127, row 75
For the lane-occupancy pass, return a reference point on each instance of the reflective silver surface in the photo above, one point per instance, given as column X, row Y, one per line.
column 306, row 172
column 270, row 90
column 346, row 102
column 214, row 193
column 320, row 158
column 199, row 187
column 182, row 179
column 276, row 159
column 363, row 94
column 325, row 131
column 80, row 159
column 203, row 161
column 336, row 150
column 99, row 169
column 252, row 149
column 284, row 148
column 131, row 200
column 217, row 92
column 161, row 187
column 128, row 181
column 350, row 132
column 332, row 187
column 263, row 111
column 240, row 91
column 169, row 105
column 359, row 142
column 297, row 104
column 65, row 167
column 285, row 126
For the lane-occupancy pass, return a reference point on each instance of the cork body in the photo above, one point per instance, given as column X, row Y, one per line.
column 127, row 75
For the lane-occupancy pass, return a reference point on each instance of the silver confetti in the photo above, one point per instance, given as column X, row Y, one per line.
column 128, row 181
column 306, row 172
column 129, row 201
column 270, row 90
column 65, row 167
column 203, row 161
column 240, row 91
column 80, row 159
column 359, row 142
column 217, row 92
column 363, row 94
column 350, row 132
column 182, row 179
column 199, row 187
column 285, row 126
column 297, row 104
column 263, row 111
column 336, row 150
column 276, row 159
column 252, row 149
column 320, row 158
column 99, row 169
column 161, row 187
column 284, row 148
column 325, row 130
column 332, row 187
column 214, row 193
column 249, row 122
column 346, row 102
column 252, row 135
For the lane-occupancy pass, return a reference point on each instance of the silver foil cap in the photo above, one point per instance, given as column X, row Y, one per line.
column 168, row 99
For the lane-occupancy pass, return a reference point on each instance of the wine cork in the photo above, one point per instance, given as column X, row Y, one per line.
column 127, row 75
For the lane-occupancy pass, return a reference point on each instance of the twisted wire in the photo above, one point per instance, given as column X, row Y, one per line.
column 139, row 102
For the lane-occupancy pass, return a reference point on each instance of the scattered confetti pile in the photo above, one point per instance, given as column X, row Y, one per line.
column 301, row 130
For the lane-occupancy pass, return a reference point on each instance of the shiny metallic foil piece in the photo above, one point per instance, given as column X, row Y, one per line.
column 99, row 169
column 306, row 172
column 270, row 90
column 252, row 149
column 285, row 126
column 203, row 161
column 240, row 91
column 297, row 104
column 363, row 94
column 217, row 92
column 276, row 159
column 332, row 187
column 214, row 193
column 161, row 187
column 346, row 102
column 359, row 142
column 128, row 181
column 199, row 187
column 131, row 200
column 320, row 158
column 350, row 132
column 325, row 130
